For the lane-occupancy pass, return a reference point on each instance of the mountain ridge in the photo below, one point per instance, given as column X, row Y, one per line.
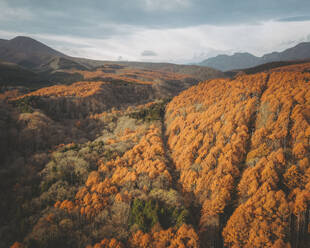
column 27, row 52
column 246, row 60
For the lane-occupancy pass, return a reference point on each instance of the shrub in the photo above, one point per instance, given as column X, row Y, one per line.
column 26, row 104
column 153, row 113
column 145, row 214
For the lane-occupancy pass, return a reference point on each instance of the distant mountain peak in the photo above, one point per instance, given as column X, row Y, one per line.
column 244, row 54
column 27, row 52
column 25, row 42
column 305, row 43
column 23, row 38
column 243, row 60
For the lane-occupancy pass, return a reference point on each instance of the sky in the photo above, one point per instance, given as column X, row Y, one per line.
column 177, row 31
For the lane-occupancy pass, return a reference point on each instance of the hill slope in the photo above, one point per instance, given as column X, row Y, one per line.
column 199, row 72
column 298, row 52
column 14, row 75
column 3, row 41
column 246, row 60
column 296, row 65
column 106, row 87
column 226, row 162
column 27, row 52
column 62, row 63
column 242, row 150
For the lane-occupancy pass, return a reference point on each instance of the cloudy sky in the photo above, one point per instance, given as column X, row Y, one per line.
column 179, row 31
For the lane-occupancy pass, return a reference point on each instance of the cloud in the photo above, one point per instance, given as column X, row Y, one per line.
column 295, row 19
column 178, row 30
column 164, row 5
column 17, row 14
column 99, row 18
column 180, row 45
column 148, row 53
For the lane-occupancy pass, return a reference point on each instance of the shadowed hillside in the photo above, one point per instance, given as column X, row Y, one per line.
column 14, row 75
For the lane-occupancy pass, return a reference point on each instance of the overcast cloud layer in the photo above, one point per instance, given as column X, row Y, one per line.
column 158, row 30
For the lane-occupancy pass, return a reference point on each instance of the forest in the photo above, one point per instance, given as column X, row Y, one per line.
column 225, row 163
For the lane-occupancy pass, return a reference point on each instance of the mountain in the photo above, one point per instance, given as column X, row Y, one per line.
column 247, row 60
column 236, row 61
column 267, row 67
column 298, row 52
column 26, row 52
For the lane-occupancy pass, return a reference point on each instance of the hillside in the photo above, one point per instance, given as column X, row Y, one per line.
column 230, row 62
column 225, row 163
column 2, row 42
column 111, row 165
column 26, row 52
column 199, row 72
column 247, row 60
column 298, row 52
column 58, row 63
column 294, row 65
column 14, row 75
column 84, row 98
column 103, row 89
column 242, row 150
column 79, row 92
